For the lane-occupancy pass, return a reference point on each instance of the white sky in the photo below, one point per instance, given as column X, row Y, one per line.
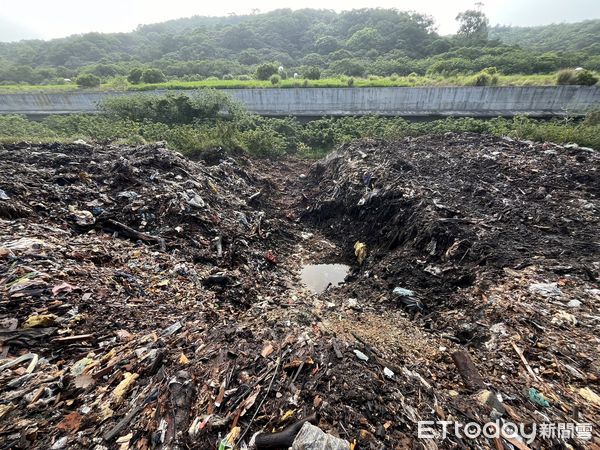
column 56, row 18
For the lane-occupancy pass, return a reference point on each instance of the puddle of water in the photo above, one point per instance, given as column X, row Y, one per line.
column 317, row 277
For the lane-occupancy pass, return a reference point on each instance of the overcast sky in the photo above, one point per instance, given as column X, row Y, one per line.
column 57, row 18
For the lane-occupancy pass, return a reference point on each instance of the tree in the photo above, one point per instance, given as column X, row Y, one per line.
column 87, row 80
column 153, row 76
column 264, row 71
column 364, row 39
column 350, row 67
column 473, row 25
column 312, row 73
column 135, row 75
column 326, row 44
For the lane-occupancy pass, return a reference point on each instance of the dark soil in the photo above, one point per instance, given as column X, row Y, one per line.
column 160, row 300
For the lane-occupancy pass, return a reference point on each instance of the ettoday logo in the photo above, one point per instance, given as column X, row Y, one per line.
column 473, row 430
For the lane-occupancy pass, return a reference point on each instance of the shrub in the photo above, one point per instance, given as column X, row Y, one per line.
column 152, row 76
column 88, row 80
column 586, row 78
column 592, row 118
column 244, row 78
column 119, row 83
column 228, row 76
column 135, row 75
column 206, row 105
column 484, row 78
column 578, row 77
column 263, row 141
column 350, row 82
column 566, row 76
column 264, row 71
column 275, row 79
column 312, row 73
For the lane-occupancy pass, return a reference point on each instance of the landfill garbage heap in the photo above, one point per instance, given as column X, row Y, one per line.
column 151, row 301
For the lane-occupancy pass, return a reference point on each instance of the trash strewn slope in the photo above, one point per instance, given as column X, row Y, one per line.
column 149, row 301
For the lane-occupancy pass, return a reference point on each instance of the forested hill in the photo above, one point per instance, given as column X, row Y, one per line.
column 556, row 37
column 352, row 43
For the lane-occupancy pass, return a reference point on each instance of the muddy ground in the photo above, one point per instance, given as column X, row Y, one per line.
column 149, row 301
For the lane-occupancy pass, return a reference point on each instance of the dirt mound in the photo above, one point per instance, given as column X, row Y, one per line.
column 149, row 301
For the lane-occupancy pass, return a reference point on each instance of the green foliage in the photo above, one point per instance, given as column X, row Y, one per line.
column 571, row 37
column 566, row 76
column 592, row 118
column 270, row 137
column 486, row 77
column 586, row 78
column 364, row 39
column 204, row 106
column 265, row 71
column 275, row 79
column 88, row 80
column 311, row 73
column 473, row 26
column 377, row 42
column 576, row 77
column 152, row 76
column 135, row 75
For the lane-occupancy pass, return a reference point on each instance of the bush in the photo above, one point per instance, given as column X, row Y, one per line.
column 566, row 77
column 275, row 79
column 244, row 78
column 206, row 106
column 576, row 77
column 312, row 73
column 264, row 71
column 152, row 76
column 88, row 80
column 228, row 76
column 135, row 75
column 263, row 141
column 592, row 118
column 586, row 78
column 350, row 82
column 484, row 78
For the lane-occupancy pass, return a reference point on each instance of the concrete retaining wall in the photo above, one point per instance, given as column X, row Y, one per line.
column 393, row 101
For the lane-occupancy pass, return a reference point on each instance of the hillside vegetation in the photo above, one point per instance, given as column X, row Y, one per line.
column 310, row 44
column 556, row 37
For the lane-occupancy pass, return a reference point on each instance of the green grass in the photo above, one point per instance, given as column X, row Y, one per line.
column 338, row 82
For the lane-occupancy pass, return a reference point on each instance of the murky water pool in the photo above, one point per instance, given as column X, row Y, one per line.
column 317, row 277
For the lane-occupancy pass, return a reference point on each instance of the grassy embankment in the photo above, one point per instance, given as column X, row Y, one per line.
column 339, row 82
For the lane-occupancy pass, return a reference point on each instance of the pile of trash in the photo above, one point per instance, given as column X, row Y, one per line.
column 150, row 301
column 483, row 243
